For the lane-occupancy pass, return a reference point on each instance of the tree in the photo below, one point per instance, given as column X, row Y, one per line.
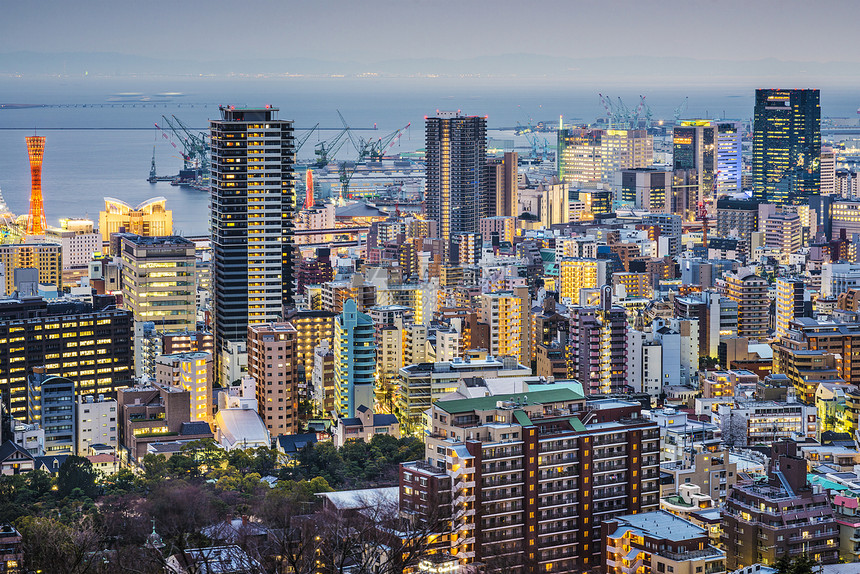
column 180, row 510
column 154, row 467
column 803, row 564
column 53, row 546
column 76, row 477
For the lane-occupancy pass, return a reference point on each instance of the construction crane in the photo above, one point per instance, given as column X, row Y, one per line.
column 379, row 147
column 304, row 138
column 682, row 107
column 325, row 151
column 607, row 106
column 195, row 146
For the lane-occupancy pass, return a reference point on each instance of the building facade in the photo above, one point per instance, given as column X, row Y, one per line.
column 786, row 146
column 47, row 258
column 526, row 482
column 762, row 522
column 192, row 372
column 158, row 281
column 456, row 156
column 253, row 154
column 151, row 218
column 354, row 361
column 273, row 363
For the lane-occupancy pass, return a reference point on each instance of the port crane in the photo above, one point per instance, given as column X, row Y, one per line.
column 325, row 151
column 619, row 116
column 682, row 107
column 195, row 146
column 304, row 138
column 373, row 149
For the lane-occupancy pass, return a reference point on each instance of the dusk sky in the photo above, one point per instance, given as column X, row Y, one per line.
column 376, row 30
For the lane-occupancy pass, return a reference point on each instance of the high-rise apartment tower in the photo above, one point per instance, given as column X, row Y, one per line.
column 456, row 159
column 253, row 154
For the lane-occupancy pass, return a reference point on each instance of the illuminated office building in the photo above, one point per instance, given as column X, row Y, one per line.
column 729, row 162
column 91, row 348
column 455, row 170
column 591, row 156
column 644, row 188
column 253, row 154
column 828, row 170
column 786, row 146
column 158, row 281
column 845, row 215
column 46, row 257
column 150, row 218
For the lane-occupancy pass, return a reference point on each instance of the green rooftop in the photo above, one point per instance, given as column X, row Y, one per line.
column 488, row 403
column 522, row 419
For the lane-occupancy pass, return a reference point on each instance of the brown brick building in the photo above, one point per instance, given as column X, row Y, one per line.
column 781, row 517
column 531, row 478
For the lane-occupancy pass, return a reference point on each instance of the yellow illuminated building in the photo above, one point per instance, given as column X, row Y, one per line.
column 637, row 285
column 593, row 156
column 46, row 257
column 190, row 372
column 158, row 281
column 503, row 312
column 313, row 327
column 150, row 218
column 576, row 274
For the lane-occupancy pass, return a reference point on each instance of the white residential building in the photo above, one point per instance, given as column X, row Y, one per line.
column 97, row 423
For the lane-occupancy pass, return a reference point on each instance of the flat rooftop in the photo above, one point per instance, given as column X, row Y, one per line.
column 659, row 524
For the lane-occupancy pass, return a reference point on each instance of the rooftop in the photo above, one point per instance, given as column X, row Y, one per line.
column 659, row 524
column 356, row 499
column 489, row 403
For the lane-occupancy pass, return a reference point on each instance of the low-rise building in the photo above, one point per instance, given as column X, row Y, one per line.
column 659, row 542
column 713, row 472
column 155, row 414
column 364, row 426
column 784, row 516
column 97, row 423
column 237, row 422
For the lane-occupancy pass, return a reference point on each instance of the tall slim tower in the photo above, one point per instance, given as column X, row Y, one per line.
column 36, row 224
column 694, row 151
column 786, row 146
column 456, row 155
column 251, row 223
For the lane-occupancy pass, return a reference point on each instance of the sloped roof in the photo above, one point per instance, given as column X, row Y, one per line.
column 293, row 443
column 383, row 420
column 9, row 448
column 195, row 428
column 242, row 425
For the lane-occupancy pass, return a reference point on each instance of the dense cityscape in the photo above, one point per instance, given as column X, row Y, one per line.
column 443, row 287
column 630, row 351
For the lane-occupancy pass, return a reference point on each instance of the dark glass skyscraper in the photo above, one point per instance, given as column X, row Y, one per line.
column 252, row 220
column 455, row 169
column 786, row 146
